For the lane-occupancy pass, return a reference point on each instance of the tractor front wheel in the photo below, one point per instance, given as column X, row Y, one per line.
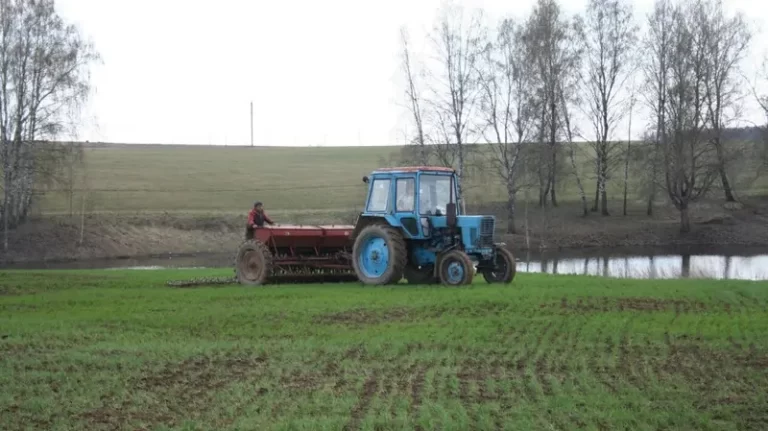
column 456, row 269
column 505, row 267
column 379, row 255
column 253, row 263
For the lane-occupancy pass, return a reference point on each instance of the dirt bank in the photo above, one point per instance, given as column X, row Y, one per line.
column 105, row 236
column 713, row 223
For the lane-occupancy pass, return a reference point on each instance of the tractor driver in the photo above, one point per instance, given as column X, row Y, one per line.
column 256, row 219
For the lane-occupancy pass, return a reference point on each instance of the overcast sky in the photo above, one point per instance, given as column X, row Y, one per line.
column 319, row 72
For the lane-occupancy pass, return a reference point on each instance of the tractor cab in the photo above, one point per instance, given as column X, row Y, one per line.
column 412, row 198
column 412, row 223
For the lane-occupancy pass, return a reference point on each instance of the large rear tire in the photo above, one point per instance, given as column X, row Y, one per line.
column 253, row 263
column 506, row 268
column 379, row 255
column 456, row 269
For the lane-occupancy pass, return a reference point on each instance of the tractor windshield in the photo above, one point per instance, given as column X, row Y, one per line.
column 434, row 194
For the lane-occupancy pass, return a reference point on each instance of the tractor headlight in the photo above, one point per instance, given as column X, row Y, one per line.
column 425, row 226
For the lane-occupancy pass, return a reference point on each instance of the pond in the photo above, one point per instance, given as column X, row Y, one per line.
column 655, row 263
column 737, row 263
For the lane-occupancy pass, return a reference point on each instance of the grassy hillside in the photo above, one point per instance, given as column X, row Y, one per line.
column 190, row 179
column 154, row 199
column 226, row 179
column 117, row 349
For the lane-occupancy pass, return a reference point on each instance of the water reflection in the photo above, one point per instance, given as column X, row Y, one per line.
column 718, row 263
column 753, row 267
column 202, row 260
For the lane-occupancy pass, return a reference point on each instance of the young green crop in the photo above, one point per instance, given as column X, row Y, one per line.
column 119, row 349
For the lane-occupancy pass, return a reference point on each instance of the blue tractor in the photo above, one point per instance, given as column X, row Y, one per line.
column 411, row 227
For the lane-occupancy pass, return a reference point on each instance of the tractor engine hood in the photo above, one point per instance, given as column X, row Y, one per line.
column 476, row 230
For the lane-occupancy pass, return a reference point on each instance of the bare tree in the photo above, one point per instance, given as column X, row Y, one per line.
column 85, row 198
column 628, row 152
column 43, row 78
column 658, row 47
column 762, row 100
column 571, row 146
column 552, row 40
column 689, row 167
column 414, row 97
column 442, row 146
column 72, row 159
column 456, row 90
column 507, row 108
column 727, row 42
column 609, row 37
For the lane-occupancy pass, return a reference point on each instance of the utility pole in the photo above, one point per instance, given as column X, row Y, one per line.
column 251, row 124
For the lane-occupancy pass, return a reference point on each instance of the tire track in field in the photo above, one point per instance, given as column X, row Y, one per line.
column 514, row 359
column 600, row 358
column 627, row 357
column 472, row 389
column 649, row 356
column 572, row 353
column 388, row 388
column 746, row 303
column 743, row 332
column 466, row 375
column 543, row 367
column 608, row 362
column 370, row 387
column 402, row 387
column 565, row 349
column 475, row 389
column 486, row 394
column 523, row 366
column 417, row 393
column 507, row 369
column 556, row 368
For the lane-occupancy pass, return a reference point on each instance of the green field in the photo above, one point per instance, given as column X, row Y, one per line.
column 190, row 179
column 118, row 349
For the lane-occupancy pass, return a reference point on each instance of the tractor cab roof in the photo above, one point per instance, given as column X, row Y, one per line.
column 411, row 169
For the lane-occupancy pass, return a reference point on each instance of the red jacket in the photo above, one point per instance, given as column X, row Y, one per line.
column 254, row 216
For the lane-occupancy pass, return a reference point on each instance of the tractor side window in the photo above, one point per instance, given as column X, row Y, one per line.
column 406, row 199
column 435, row 194
column 379, row 196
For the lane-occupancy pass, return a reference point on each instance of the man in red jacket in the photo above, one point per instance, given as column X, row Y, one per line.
column 256, row 219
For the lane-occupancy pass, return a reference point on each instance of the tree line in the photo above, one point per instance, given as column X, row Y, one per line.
column 530, row 89
column 44, row 65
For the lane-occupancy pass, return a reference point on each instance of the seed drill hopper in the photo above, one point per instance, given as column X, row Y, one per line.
column 292, row 254
column 411, row 228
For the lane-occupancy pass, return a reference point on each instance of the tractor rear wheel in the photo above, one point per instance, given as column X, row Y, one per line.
column 379, row 255
column 419, row 276
column 456, row 269
column 505, row 270
column 253, row 263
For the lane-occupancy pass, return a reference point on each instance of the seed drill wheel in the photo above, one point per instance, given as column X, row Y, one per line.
column 253, row 263
column 506, row 268
column 456, row 269
column 379, row 255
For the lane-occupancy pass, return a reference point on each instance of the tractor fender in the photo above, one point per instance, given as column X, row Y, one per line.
column 364, row 221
